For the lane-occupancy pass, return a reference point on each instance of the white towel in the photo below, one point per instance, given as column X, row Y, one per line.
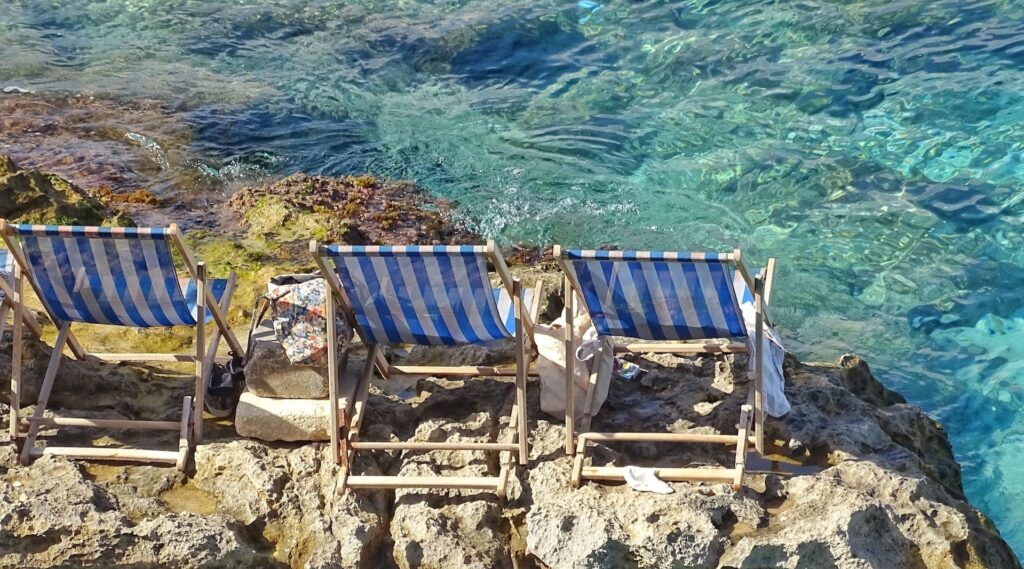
column 775, row 402
column 645, row 480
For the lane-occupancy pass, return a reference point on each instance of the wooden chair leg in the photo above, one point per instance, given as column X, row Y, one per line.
column 577, row 465
column 570, row 371
column 332, row 375
column 44, row 391
column 200, row 387
column 211, row 348
column 742, row 444
column 759, row 343
column 507, row 458
column 4, row 309
column 16, row 297
column 352, row 425
column 521, row 364
column 606, row 345
column 362, row 394
column 184, row 436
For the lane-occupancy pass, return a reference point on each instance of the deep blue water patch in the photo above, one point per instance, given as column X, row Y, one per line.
column 283, row 141
column 530, row 54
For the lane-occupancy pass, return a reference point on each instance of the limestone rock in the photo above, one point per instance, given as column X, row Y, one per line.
column 859, row 514
column 269, row 373
column 451, row 528
column 868, row 481
column 50, row 515
column 613, row 526
column 282, row 419
column 290, row 495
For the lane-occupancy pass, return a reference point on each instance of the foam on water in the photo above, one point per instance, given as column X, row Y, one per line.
column 873, row 146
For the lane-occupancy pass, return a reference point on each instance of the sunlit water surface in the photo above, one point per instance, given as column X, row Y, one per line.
column 873, row 146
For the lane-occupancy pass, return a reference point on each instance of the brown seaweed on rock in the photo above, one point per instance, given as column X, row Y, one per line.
column 356, row 210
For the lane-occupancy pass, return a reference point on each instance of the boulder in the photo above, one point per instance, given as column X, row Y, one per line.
column 601, row 525
column 861, row 514
column 269, row 373
column 451, row 528
column 30, row 196
column 282, row 419
column 288, row 497
column 51, row 515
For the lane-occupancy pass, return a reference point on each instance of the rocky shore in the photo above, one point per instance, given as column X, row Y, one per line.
column 857, row 477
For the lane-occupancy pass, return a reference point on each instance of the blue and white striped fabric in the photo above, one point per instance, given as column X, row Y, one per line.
column 6, row 269
column 104, row 275
column 654, row 295
column 429, row 295
column 6, row 262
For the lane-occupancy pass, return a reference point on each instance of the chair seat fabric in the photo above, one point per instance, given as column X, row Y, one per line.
column 657, row 295
column 116, row 276
column 424, row 295
column 508, row 310
column 6, row 269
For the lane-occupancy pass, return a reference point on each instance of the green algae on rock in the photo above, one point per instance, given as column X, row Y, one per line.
column 30, row 196
column 350, row 209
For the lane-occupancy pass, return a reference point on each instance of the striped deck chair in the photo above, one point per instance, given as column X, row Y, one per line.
column 429, row 295
column 668, row 299
column 118, row 277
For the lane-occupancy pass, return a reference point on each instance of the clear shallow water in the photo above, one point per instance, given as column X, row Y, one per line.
column 873, row 146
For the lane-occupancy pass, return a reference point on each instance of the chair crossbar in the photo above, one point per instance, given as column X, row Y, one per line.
column 360, row 445
column 396, row 482
column 105, row 423
column 470, row 371
column 680, row 348
column 667, row 474
column 115, row 454
column 659, row 437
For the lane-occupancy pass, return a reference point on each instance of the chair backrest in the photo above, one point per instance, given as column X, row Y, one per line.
column 655, row 295
column 426, row 295
column 106, row 275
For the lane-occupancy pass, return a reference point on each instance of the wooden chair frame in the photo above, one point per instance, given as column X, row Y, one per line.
column 751, row 413
column 350, row 406
column 190, row 428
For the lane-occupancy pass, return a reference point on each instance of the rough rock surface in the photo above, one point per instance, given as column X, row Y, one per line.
column 858, row 479
column 352, row 209
column 282, row 419
column 30, row 196
column 269, row 373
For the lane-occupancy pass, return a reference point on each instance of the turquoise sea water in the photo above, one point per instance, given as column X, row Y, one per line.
column 875, row 147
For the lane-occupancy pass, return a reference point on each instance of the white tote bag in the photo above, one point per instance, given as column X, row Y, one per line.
column 592, row 353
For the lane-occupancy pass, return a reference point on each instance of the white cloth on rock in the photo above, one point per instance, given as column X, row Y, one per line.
column 775, row 402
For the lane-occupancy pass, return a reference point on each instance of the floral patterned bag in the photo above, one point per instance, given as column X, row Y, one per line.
column 297, row 304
